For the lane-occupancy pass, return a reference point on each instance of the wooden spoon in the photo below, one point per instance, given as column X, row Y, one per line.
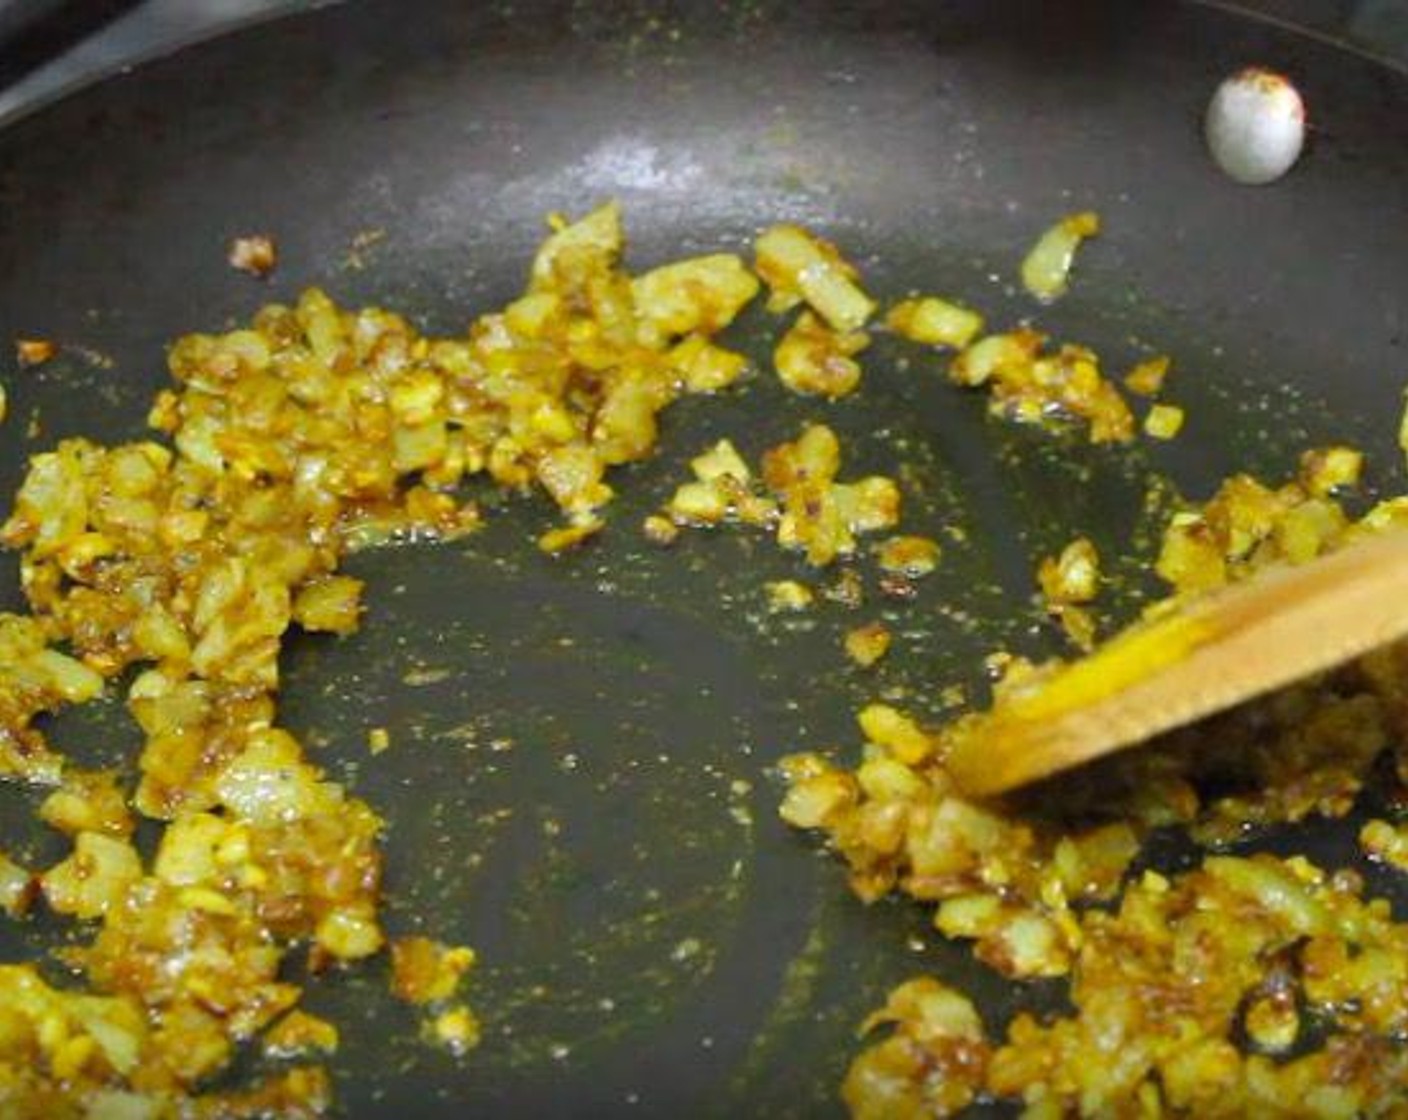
column 1211, row 653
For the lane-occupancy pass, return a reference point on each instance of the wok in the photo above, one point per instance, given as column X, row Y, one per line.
column 579, row 788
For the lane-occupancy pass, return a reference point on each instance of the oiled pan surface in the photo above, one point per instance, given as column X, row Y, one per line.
column 578, row 787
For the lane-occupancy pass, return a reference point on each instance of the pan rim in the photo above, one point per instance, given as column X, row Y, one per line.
column 133, row 65
column 1325, row 38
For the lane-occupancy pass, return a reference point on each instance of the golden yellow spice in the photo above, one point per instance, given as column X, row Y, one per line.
column 312, row 433
column 1032, row 387
column 797, row 496
column 179, row 564
column 1068, row 582
column 865, row 645
column 1164, row 984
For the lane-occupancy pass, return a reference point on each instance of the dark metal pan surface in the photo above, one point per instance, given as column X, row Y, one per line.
column 584, row 794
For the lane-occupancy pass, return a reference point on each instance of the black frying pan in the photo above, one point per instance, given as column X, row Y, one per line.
column 566, row 799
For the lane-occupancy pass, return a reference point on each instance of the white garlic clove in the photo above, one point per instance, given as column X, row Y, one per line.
column 1255, row 126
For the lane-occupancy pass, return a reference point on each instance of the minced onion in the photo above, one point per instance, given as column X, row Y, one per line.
column 1046, row 271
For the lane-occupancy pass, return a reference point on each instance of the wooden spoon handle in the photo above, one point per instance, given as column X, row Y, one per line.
column 1215, row 652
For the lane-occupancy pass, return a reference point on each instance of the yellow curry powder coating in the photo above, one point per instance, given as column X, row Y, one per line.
column 309, row 434
column 316, row 431
column 1164, row 984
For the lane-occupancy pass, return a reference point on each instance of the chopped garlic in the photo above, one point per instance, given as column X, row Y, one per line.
column 865, row 645
column 1164, row 421
column 1073, row 576
column 1325, row 470
column 1147, row 378
column 34, row 351
column 908, row 556
column 798, row 265
column 934, row 322
column 812, row 358
column 789, row 595
column 457, row 1030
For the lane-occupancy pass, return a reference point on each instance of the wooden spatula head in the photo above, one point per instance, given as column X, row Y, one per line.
column 1207, row 654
